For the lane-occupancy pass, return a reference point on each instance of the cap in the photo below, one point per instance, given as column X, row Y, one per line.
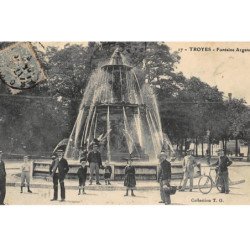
column 83, row 159
column 163, row 153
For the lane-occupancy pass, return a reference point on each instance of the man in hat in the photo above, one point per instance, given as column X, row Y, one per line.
column 189, row 163
column 164, row 178
column 223, row 163
column 2, row 179
column 58, row 170
column 25, row 173
column 95, row 162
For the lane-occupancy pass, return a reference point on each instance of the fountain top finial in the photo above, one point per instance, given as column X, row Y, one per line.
column 116, row 58
column 116, row 61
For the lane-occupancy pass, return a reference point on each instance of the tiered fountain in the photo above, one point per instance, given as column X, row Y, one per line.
column 122, row 114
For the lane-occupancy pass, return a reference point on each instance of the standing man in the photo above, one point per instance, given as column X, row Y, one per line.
column 223, row 163
column 164, row 178
column 25, row 173
column 95, row 162
column 2, row 179
column 189, row 163
column 58, row 170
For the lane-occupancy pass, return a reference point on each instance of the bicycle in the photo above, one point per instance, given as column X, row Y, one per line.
column 206, row 182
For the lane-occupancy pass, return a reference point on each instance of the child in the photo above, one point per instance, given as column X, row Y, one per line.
column 82, row 175
column 129, row 180
column 25, row 173
column 107, row 173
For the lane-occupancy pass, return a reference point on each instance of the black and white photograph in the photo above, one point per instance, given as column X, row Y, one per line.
column 124, row 123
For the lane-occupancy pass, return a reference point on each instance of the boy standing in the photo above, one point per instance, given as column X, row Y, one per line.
column 25, row 173
column 107, row 173
column 82, row 176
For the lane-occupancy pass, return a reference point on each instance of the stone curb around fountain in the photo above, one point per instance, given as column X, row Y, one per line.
column 115, row 186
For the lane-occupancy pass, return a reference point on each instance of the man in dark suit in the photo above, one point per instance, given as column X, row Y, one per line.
column 2, row 180
column 58, row 170
column 222, row 164
column 164, row 178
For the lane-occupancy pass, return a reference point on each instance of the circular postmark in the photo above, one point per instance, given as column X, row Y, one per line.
column 19, row 66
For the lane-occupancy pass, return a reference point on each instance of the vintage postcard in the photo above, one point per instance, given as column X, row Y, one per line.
column 124, row 123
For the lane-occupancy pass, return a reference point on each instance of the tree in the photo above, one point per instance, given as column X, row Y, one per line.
column 191, row 110
column 246, row 130
column 188, row 107
column 232, row 120
column 43, row 113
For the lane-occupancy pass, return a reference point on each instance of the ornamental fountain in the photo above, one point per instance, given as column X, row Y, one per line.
column 121, row 113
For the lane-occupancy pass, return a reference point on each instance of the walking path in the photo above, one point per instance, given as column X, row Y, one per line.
column 13, row 179
column 147, row 192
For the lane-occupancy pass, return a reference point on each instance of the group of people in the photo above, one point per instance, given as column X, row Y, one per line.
column 222, row 164
column 189, row 163
column 59, row 169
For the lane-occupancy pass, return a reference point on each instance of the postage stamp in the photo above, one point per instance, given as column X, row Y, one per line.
column 19, row 66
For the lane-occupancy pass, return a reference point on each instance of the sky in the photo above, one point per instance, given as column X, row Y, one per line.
column 218, row 64
column 229, row 70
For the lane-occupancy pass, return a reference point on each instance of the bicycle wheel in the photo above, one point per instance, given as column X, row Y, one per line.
column 205, row 184
column 218, row 183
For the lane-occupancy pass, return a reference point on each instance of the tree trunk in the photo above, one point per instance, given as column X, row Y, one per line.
column 248, row 151
column 181, row 149
column 196, row 147
column 202, row 148
column 236, row 147
column 225, row 149
column 209, row 147
column 223, row 144
column 185, row 146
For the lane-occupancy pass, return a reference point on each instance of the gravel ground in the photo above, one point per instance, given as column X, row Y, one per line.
column 149, row 195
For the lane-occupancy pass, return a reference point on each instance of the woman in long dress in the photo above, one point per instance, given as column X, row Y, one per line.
column 129, row 181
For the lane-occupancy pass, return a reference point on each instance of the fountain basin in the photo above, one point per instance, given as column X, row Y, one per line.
column 143, row 170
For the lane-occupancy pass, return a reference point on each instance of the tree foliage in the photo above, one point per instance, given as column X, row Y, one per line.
column 188, row 107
